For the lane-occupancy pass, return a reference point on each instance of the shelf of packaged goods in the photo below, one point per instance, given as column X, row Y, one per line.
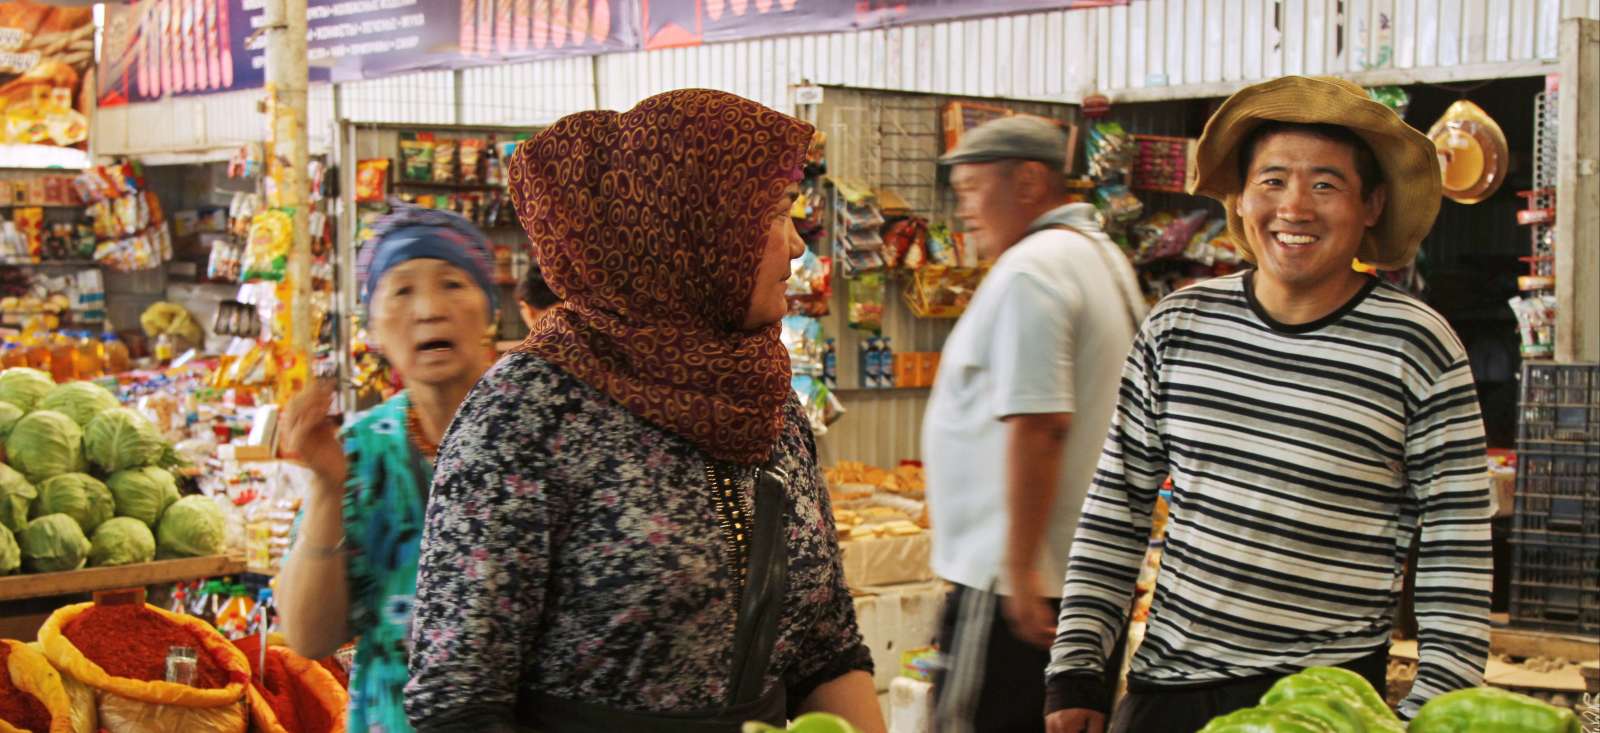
column 51, row 263
column 75, row 582
column 41, row 206
column 859, row 391
column 449, row 186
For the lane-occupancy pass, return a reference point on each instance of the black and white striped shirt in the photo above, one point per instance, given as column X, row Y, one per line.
column 1302, row 459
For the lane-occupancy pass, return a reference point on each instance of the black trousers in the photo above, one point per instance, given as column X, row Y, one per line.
column 1187, row 709
column 989, row 681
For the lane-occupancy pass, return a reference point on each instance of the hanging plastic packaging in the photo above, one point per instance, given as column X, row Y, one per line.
column 266, row 254
column 1473, row 155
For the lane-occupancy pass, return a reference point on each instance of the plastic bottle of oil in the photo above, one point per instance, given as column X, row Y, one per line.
column 117, row 358
column 63, row 358
column 36, row 351
column 90, row 361
column 13, row 355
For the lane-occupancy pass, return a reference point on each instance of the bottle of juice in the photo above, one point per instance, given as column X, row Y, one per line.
column 117, row 358
column 90, row 362
column 63, row 358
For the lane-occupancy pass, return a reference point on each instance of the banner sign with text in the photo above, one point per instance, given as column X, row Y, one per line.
column 675, row 23
column 156, row 48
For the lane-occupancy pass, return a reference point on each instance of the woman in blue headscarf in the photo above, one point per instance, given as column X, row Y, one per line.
column 426, row 281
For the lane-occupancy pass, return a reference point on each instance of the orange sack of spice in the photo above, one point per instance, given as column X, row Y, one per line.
column 32, row 699
column 292, row 694
column 130, row 686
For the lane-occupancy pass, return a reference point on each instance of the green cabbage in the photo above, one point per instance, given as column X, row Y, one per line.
column 81, row 401
column 77, row 495
column 24, row 387
column 10, row 553
column 143, row 493
column 192, row 527
column 121, row 438
column 16, row 496
column 45, row 444
column 9, row 415
column 53, row 543
column 122, row 541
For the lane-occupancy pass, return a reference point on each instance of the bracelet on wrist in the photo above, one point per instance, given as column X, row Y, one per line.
column 337, row 550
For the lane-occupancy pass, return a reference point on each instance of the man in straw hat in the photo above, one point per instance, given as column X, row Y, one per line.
column 1017, row 417
column 1310, row 418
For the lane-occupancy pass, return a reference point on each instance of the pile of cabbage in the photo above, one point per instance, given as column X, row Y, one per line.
column 85, row 481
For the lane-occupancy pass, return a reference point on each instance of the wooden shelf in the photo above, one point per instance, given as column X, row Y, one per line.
column 73, row 582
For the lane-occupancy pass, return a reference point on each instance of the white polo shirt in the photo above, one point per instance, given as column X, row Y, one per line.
column 1047, row 332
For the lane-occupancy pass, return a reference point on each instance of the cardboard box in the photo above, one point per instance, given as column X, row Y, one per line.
column 929, row 368
column 898, row 618
column 879, row 561
column 905, row 370
column 910, row 706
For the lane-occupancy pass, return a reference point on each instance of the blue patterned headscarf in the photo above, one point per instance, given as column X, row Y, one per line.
column 413, row 232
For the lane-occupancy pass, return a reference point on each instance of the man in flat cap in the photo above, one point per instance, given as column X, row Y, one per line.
column 1310, row 418
column 1017, row 417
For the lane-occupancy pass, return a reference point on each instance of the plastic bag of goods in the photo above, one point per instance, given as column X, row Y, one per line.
column 32, row 698
column 293, row 694
column 120, row 651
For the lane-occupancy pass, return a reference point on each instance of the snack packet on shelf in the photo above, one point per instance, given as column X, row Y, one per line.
column 372, row 180
column 444, row 161
column 471, row 160
column 416, row 157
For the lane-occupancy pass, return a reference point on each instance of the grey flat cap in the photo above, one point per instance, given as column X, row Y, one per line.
column 1019, row 137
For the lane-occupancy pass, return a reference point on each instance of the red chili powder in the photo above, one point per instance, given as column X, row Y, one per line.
column 314, row 718
column 291, row 702
column 20, row 709
column 132, row 641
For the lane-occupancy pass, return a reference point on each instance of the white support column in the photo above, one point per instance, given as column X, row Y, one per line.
column 287, row 79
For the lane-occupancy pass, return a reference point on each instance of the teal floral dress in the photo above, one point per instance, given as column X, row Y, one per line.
column 384, row 505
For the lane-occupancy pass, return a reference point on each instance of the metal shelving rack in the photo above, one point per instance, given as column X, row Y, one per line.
column 1540, row 216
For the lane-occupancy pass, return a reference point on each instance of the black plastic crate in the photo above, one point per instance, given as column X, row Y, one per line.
column 1555, row 586
column 1560, row 404
column 1558, row 493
